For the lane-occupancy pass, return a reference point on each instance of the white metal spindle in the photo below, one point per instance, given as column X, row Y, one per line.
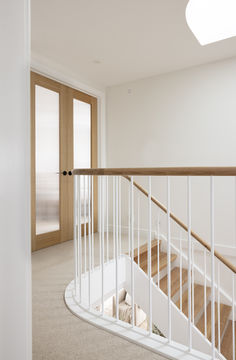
column 189, row 263
column 89, row 240
column 100, row 219
column 205, row 312
column 78, row 221
column 235, row 208
column 212, row 268
column 75, row 237
column 85, row 243
column 168, row 258
column 149, row 252
column 218, row 303
column 129, row 220
column 138, row 225
column 117, row 239
column 120, row 215
column 114, row 215
column 193, row 282
column 107, row 228
column 132, row 244
column 158, row 249
column 180, row 271
column 79, row 236
column 102, row 225
column 233, row 316
column 92, row 210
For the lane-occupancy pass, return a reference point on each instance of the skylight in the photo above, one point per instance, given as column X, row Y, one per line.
column 211, row 20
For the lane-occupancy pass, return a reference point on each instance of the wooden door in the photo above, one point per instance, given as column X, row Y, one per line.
column 54, row 151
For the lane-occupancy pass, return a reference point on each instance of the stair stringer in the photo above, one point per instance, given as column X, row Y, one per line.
column 160, row 310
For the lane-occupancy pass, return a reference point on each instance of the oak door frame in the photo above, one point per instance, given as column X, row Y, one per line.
column 66, row 95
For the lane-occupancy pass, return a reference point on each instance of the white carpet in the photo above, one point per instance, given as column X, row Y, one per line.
column 59, row 335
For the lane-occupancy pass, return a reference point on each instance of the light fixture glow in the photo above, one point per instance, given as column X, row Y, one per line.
column 211, row 20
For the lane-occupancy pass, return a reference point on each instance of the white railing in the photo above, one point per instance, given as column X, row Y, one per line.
column 129, row 218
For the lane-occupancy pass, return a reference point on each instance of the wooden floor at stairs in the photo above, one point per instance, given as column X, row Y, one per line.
column 198, row 300
column 143, row 258
column 175, row 281
column 225, row 310
column 224, row 316
column 226, row 346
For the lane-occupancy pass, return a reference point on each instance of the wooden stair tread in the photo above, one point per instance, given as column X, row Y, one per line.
column 227, row 344
column 198, row 299
column 175, row 281
column 162, row 265
column 144, row 248
column 224, row 315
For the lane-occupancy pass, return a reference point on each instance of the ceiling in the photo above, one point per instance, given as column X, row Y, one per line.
column 108, row 42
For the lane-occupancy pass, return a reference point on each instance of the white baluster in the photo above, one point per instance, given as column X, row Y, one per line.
column 107, row 227
column 233, row 316
column 149, row 252
column 218, row 303
column 100, row 219
column 75, row 237
column 235, row 208
column 117, row 265
column 158, row 249
column 205, row 312
column 92, row 210
column 138, row 225
column 129, row 220
column 212, row 267
column 79, row 237
column 89, row 240
column 114, row 215
column 85, row 242
column 120, row 215
column 180, row 271
column 168, row 259
column 189, row 263
column 132, row 244
column 193, row 282
column 102, row 223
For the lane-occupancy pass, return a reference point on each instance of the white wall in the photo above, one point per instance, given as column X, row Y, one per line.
column 15, row 267
column 185, row 118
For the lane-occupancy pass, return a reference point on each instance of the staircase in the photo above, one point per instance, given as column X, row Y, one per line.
column 199, row 317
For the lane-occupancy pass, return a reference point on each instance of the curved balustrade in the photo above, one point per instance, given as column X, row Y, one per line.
column 178, row 282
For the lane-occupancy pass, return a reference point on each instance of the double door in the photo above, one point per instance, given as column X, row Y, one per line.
column 63, row 137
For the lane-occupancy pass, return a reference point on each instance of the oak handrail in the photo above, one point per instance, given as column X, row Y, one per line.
column 167, row 171
column 161, row 171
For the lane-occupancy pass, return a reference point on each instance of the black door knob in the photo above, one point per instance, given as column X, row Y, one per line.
column 64, row 172
column 70, row 173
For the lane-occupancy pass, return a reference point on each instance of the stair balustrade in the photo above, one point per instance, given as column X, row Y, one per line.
column 124, row 237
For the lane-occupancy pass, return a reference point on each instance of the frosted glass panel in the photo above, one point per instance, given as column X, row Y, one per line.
column 47, row 159
column 82, row 134
column 82, row 144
